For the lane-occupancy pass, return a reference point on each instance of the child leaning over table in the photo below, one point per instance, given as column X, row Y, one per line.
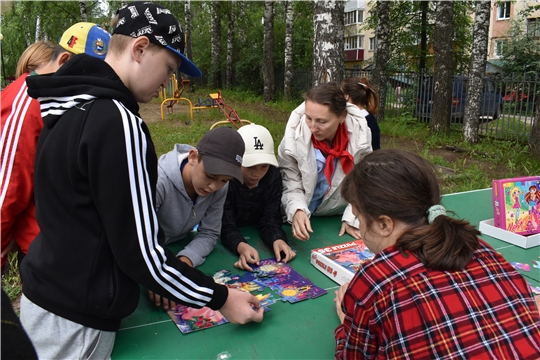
column 256, row 201
column 191, row 190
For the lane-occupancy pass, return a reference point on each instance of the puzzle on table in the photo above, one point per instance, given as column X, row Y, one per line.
column 279, row 277
column 341, row 261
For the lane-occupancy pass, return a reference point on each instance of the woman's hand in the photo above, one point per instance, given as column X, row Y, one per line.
column 248, row 255
column 301, row 227
column 281, row 245
column 339, row 299
column 351, row 230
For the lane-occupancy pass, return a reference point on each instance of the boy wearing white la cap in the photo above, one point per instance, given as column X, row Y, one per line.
column 256, row 202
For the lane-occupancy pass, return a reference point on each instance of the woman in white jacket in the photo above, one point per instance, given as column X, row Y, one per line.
column 325, row 136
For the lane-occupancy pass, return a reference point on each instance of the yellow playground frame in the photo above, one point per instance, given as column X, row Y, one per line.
column 215, row 100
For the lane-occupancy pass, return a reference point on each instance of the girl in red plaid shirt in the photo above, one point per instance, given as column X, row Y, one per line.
column 434, row 290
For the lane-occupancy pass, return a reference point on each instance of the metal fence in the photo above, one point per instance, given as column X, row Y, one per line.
column 517, row 94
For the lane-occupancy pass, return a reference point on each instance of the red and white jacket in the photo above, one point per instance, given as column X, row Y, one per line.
column 21, row 125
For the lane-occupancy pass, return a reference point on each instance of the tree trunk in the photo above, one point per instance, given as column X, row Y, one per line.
column 188, row 51
column 84, row 14
column 442, row 45
column 534, row 140
column 289, row 32
column 328, row 30
column 268, row 52
column 37, row 36
column 215, row 69
column 477, row 70
column 423, row 36
column 230, row 46
column 382, row 54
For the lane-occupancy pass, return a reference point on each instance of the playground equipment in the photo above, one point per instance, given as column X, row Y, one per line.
column 215, row 100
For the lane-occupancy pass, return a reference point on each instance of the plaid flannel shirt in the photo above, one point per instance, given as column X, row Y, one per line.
column 396, row 308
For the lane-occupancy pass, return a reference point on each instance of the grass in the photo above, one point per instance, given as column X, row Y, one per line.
column 11, row 281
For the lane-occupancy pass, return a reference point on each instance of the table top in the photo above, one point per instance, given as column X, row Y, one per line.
column 304, row 330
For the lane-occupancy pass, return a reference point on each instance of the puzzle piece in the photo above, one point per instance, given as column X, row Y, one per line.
column 535, row 289
column 190, row 319
column 521, row 266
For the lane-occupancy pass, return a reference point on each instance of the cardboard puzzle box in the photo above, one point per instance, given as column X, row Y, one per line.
column 516, row 205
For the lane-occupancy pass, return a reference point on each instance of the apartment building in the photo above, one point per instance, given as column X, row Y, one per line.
column 503, row 13
column 359, row 42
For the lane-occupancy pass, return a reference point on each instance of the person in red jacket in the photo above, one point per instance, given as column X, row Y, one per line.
column 21, row 125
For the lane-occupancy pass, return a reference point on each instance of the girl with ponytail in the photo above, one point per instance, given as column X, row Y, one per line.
column 359, row 92
column 434, row 289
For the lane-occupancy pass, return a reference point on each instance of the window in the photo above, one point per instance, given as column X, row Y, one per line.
column 372, row 43
column 351, row 42
column 500, row 47
column 350, row 17
column 354, row 42
column 354, row 17
column 504, row 10
column 533, row 27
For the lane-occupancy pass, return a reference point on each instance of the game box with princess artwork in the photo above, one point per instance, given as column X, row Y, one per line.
column 341, row 261
column 516, row 204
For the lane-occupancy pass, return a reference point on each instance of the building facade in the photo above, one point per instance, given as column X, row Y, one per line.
column 359, row 42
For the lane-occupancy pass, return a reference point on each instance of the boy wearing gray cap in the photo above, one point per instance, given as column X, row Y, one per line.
column 191, row 189
column 96, row 175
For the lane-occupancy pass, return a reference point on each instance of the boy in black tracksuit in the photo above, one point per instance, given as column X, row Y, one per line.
column 256, row 201
column 96, row 173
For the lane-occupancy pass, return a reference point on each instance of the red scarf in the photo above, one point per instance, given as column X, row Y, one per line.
column 341, row 140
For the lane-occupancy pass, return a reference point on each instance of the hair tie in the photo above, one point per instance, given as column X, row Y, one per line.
column 435, row 211
column 364, row 85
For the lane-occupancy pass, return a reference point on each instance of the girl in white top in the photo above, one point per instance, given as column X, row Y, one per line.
column 325, row 136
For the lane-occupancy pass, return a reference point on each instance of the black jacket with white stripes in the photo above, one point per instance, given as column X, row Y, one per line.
column 95, row 183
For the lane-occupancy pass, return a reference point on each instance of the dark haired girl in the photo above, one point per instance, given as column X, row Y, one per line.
column 434, row 289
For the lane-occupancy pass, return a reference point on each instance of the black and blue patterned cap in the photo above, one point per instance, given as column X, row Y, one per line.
column 159, row 25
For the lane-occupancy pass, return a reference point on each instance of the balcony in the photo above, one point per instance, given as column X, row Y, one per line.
column 354, row 55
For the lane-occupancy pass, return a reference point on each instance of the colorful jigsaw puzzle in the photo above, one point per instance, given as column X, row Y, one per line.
column 283, row 279
column 280, row 277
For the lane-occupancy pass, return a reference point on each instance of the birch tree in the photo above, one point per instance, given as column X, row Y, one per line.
column 477, row 70
column 84, row 14
column 382, row 54
column 215, row 66
column 289, row 33
column 328, row 30
column 269, row 83
column 442, row 46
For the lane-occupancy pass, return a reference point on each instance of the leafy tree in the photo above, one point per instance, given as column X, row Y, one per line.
column 20, row 26
column 411, row 25
column 522, row 51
